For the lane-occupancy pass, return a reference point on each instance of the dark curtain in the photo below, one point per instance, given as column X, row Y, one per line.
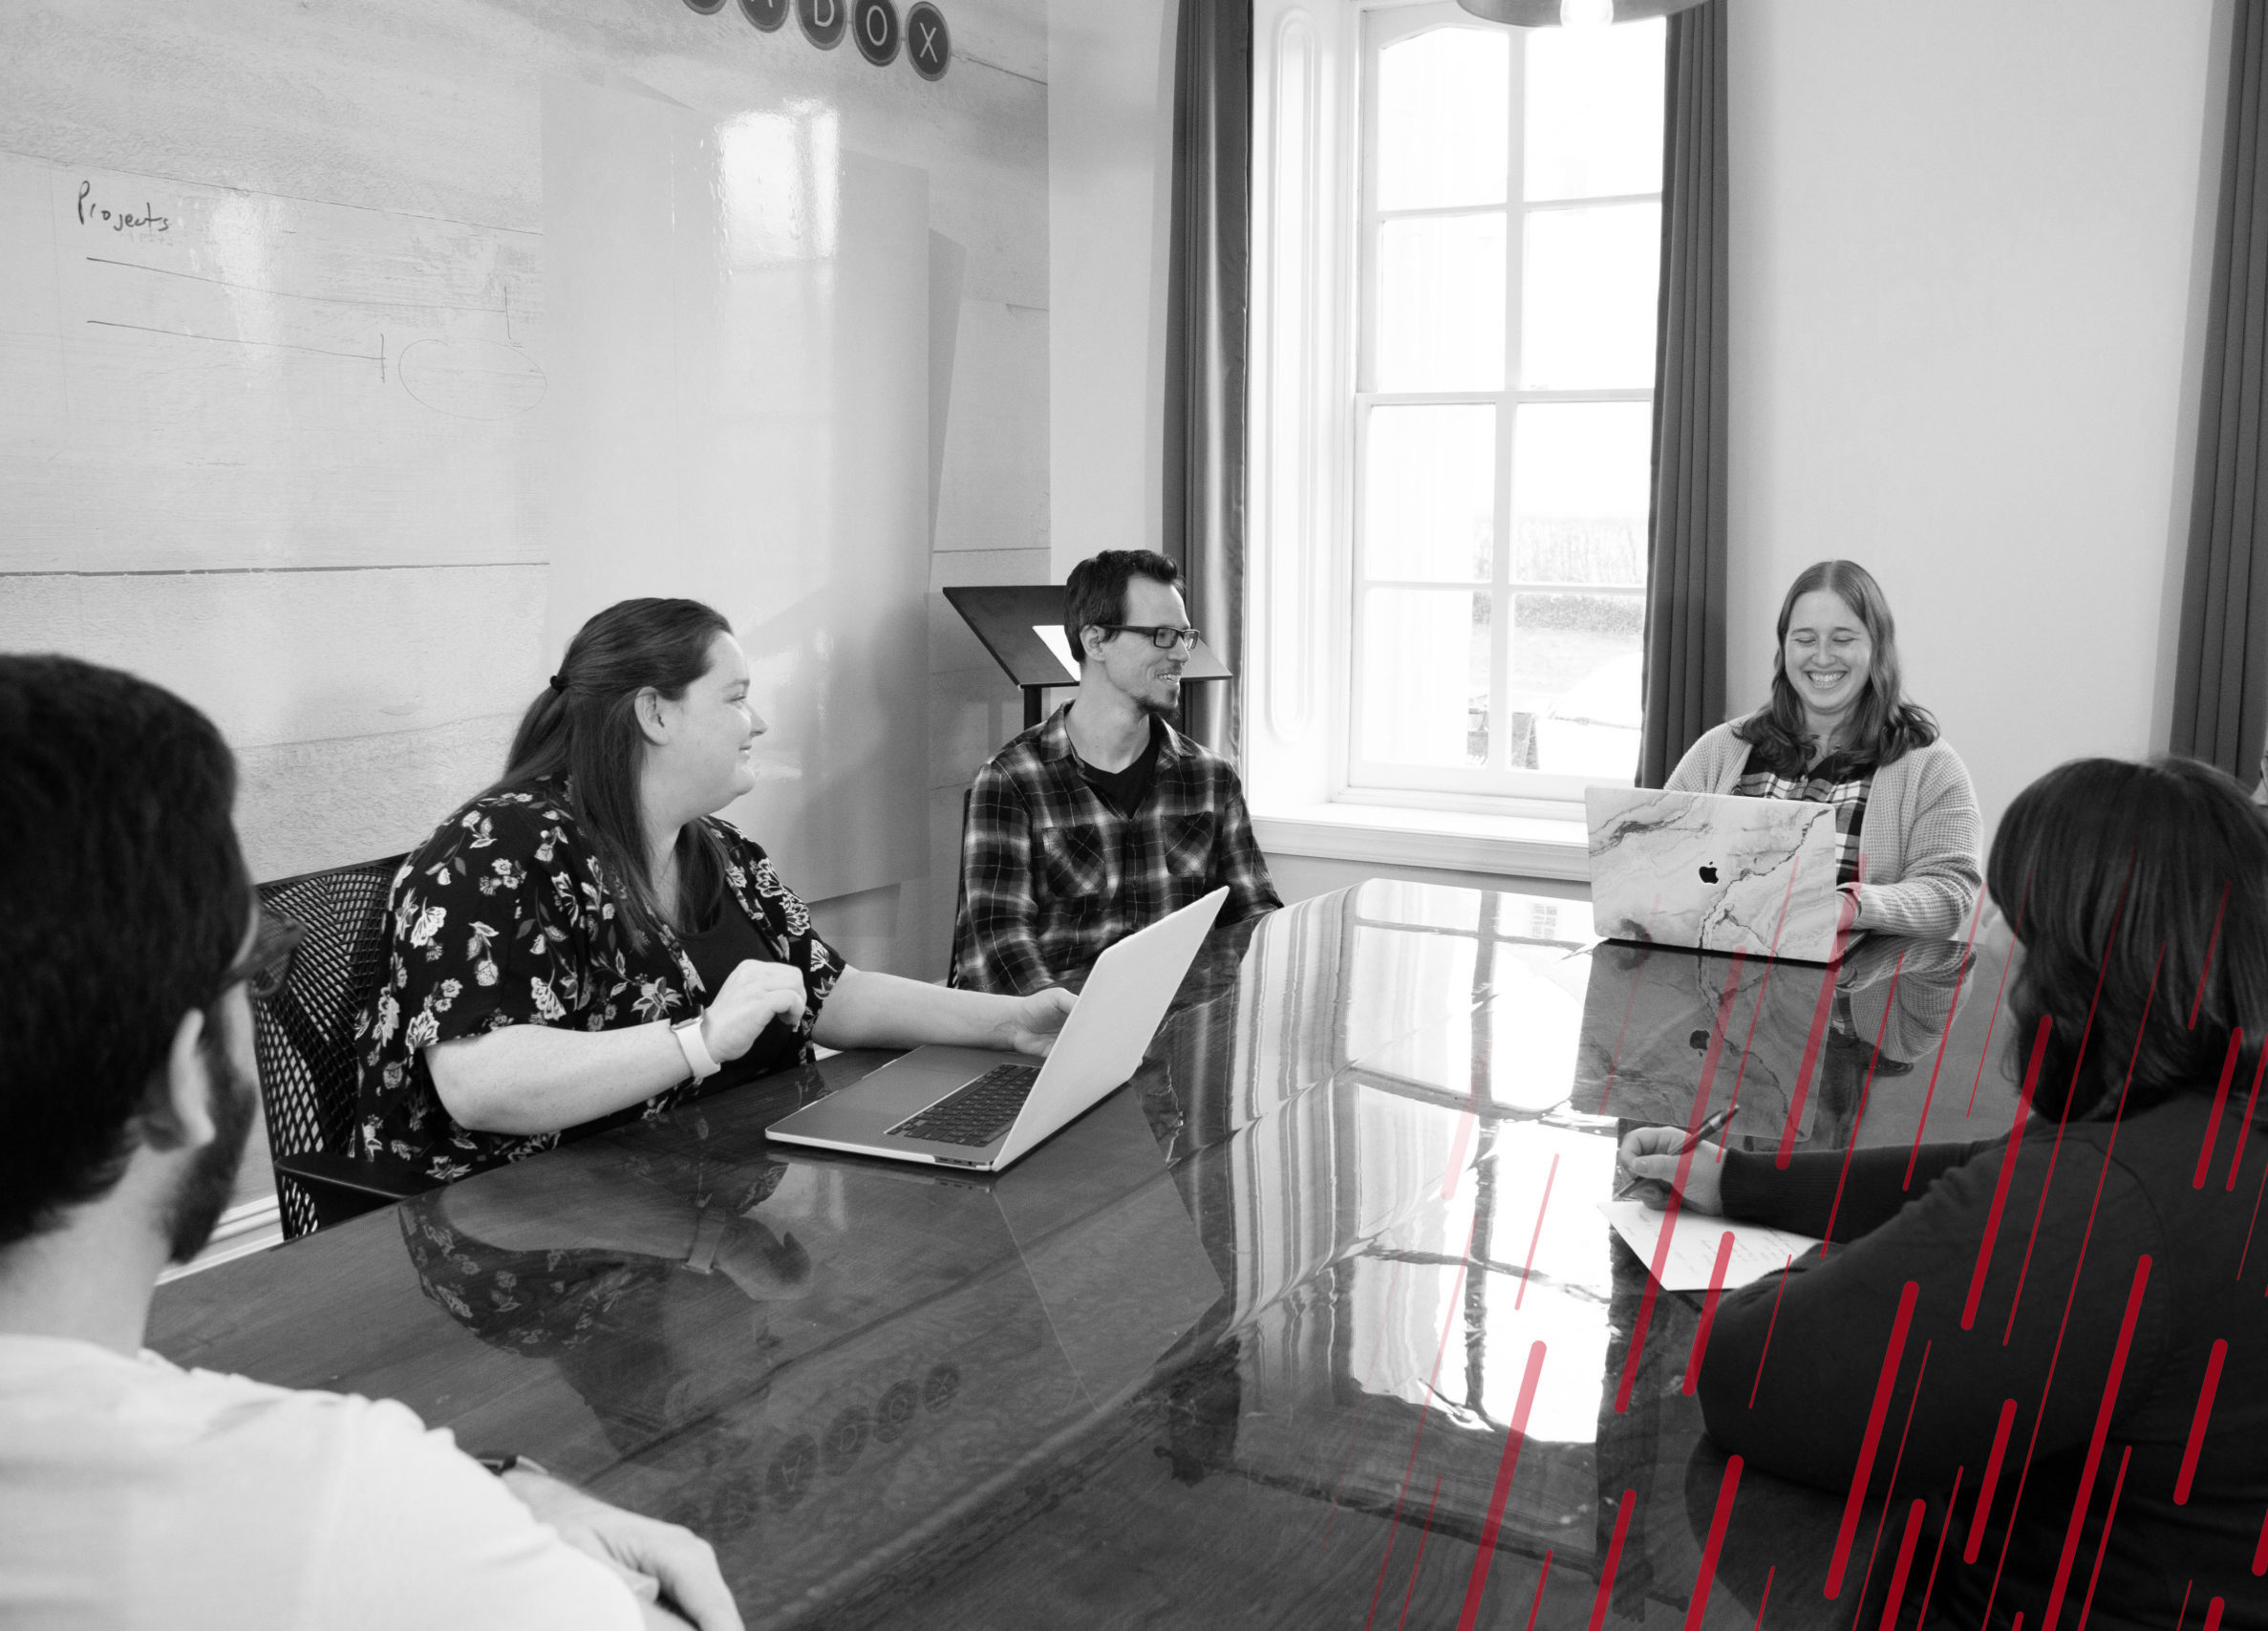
column 1205, row 344
column 1685, row 544
column 2220, row 686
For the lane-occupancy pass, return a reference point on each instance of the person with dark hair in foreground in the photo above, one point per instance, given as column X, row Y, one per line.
column 1838, row 729
column 2081, row 1305
column 588, row 941
column 1102, row 818
column 133, row 1493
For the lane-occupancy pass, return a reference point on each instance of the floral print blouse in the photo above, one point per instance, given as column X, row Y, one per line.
column 503, row 919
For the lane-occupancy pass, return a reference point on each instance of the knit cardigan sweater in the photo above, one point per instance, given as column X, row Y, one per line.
column 1920, row 848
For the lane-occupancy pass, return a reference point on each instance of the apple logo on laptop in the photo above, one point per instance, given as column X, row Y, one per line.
column 1708, row 873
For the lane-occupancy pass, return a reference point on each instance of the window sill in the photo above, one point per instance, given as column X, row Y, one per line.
column 1517, row 846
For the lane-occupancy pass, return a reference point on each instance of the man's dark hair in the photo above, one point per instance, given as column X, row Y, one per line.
column 1095, row 591
column 124, row 898
column 2140, row 895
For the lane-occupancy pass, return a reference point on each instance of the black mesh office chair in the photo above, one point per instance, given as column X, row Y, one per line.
column 304, row 1037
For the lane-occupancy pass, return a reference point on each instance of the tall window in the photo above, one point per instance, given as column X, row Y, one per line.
column 1509, row 224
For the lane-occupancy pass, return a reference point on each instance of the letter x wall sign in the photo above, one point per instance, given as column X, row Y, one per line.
column 873, row 25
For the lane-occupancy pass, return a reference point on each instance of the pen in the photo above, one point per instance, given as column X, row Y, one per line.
column 1692, row 1141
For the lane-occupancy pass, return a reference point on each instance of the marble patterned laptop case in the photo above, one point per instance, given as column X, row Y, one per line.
column 1714, row 872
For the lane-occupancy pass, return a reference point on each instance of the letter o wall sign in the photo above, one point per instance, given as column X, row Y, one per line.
column 874, row 26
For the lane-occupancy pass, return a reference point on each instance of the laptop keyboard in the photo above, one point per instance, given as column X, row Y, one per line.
column 974, row 1113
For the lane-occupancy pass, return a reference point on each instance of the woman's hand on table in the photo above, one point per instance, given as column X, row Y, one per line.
column 1650, row 1153
column 754, row 995
column 1032, row 1025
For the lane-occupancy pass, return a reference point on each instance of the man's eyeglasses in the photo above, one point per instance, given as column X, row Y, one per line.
column 267, row 964
column 1163, row 636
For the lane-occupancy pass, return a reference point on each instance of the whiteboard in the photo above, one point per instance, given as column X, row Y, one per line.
column 206, row 378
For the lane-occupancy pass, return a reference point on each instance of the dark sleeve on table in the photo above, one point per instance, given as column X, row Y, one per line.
column 1793, row 1367
column 1799, row 1197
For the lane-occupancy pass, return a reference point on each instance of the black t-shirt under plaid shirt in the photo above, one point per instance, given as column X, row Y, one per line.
column 1840, row 779
column 1052, row 875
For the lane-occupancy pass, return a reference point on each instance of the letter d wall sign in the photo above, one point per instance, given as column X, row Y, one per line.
column 874, row 26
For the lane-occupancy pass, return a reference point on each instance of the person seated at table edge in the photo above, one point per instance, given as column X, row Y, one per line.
column 1102, row 818
column 134, row 1492
column 2081, row 1275
column 588, row 941
column 1838, row 729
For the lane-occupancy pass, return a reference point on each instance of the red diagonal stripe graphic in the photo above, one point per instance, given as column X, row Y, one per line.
column 2244, row 1127
column 1606, row 1573
column 1706, row 1575
column 2054, row 1149
column 2094, row 1447
column 1505, row 1465
column 1708, row 1313
column 1425, row 1534
column 1890, row 1488
column 1766, row 1352
column 2204, row 1393
column 2220, row 1103
column 1528, row 1265
column 2260, row 1551
column 2211, row 945
column 2087, row 1604
column 1848, row 1531
column 1993, row 1020
column 1820, row 1016
column 1999, row 1194
column 1905, row 1562
column 1944, row 1037
column 1921, row 1615
column 1677, row 1196
column 1537, row 1606
column 1991, row 1480
column 1865, row 1089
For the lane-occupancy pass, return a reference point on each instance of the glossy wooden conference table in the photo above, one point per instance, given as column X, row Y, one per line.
column 1242, row 1346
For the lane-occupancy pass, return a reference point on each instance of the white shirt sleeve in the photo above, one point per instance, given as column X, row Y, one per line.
column 419, row 1534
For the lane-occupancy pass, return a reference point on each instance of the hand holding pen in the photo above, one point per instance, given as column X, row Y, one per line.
column 1650, row 1155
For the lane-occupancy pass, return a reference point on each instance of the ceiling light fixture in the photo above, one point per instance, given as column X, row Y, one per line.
column 1572, row 13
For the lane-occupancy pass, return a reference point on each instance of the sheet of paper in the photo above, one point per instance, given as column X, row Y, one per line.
column 1756, row 1251
column 1051, row 635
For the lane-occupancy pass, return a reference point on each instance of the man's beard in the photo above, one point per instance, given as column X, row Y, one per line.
column 210, row 1180
column 1160, row 707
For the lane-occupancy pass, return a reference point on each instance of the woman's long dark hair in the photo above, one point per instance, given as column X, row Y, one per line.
column 1886, row 727
column 584, row 726
column 2140, row 894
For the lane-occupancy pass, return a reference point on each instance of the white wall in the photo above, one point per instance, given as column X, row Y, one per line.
column 1109, row 150
column 1965, row 275
column 369, row 687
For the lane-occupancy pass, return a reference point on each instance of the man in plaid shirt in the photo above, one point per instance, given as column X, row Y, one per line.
column 1104, row 818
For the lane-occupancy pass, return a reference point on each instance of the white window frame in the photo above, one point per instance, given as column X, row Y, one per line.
column 1312, row 236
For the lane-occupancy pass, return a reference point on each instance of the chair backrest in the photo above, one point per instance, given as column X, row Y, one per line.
column 304, row 1035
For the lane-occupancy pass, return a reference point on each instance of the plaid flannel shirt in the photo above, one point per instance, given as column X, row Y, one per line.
column 1837, row 779
column 1051, row 875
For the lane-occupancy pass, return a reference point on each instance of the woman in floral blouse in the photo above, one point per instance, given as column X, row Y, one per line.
column 588, row 941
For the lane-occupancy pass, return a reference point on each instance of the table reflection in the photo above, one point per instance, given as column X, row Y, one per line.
column 1245, row 1344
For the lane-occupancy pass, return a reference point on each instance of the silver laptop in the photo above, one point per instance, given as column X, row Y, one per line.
column 1715, row 872
column 965, row 1107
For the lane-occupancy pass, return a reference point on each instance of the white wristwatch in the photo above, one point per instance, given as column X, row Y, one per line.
column 697, row 1058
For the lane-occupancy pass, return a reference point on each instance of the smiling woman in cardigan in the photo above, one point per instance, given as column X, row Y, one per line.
column 1839, row 731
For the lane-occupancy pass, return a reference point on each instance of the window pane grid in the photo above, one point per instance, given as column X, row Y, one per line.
column 1489, row 651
